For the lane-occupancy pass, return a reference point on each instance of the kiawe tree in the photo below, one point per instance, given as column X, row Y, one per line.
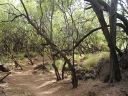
column 41, row 21
column 115, row 70
column 58, row 21
column 43, row 33
column 110, row 36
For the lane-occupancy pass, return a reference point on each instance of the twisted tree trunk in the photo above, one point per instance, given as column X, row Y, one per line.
column 43, row 33
column 111, row 43
column 115, row 71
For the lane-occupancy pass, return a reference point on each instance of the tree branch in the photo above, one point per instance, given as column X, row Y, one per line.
column 17, row 16
column 93, row 30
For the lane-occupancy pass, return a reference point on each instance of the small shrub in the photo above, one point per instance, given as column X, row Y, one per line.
column 93, row 59
column 59, row 63
column 19, row 56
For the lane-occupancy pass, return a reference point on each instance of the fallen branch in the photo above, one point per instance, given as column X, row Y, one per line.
column 8, row 73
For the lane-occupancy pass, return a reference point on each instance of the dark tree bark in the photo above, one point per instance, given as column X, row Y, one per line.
column 115, row 71
column 55, row 69
column 29, row 56
column 8, row 73
column 63, row 69
column 106, row 7
column 99, row 12
column 17, row 65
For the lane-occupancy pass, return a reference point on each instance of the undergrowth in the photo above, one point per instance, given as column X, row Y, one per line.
column 92, row 59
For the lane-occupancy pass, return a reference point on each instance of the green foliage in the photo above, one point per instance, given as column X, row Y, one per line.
column 59, row 63
column 77, row 57
column 88, row 60
column 121, row 40
column 59, row 18
column 93, row 59
column 65, row 20
column 19, row 56
column 4, row 59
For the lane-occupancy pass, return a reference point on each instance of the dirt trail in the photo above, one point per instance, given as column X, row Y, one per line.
column 25, row 83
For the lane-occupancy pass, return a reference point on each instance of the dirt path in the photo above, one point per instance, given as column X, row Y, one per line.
column 25, row 83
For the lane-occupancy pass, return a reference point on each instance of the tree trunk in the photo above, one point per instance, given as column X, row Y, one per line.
column 56, row 70
column 17, row 65
column 114, row 60
column 115, row 71
column 63, row 69
column 29, row 56
column 43, row 33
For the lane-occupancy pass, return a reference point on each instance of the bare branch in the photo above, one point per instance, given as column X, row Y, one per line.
column 27, row 15
column 9, row 4
column 93, row 30
column 17, row 16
